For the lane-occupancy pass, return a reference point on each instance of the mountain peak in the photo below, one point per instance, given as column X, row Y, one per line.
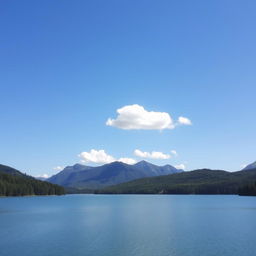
column 78, row 166
column 108, row 174
column 115, row 163
column 142, row 162
column 166, row 165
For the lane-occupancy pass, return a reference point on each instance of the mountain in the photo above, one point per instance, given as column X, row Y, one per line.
column 250, row 166
column 155, row 169
column 203, row 181
column 66, row 175
column 108, row 174
column 9, row 170
column 41, row 178
column 16, row 183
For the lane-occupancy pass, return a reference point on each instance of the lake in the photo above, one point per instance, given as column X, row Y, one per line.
column 122, row 225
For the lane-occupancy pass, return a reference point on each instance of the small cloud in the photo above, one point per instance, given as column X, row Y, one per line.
column 101, row 157
column 184, row 121
column 44, row 176
column 136, row 117
column 152, row 155
column 180, row 166
column 174, row 152
column 58, row 168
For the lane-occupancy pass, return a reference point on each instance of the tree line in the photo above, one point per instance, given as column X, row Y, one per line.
column 202, row 181
column 248, row 190
column 17, row 185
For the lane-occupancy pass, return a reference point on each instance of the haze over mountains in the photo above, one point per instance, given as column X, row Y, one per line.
column 81, row 176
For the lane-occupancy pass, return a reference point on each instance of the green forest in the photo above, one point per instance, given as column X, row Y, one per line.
column 248, row 190
column 15, row 183
column 202, row 181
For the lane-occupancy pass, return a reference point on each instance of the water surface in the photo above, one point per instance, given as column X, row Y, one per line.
column 128, row 225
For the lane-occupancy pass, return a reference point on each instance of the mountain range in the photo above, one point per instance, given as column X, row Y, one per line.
column 81, row 176
column 120, row 178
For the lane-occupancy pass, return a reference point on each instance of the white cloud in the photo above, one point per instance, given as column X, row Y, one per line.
column 184, row 121
column 127, row 160
column 136, row 117
column 58, row 168
column 96, row 156
column 153, row 154
column 180, row 166
column 174, row 152
column 101, row 157
column 44, row 176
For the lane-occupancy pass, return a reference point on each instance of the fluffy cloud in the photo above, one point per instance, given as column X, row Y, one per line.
column 101, row 157
column 180, row 166
column 184, row 121
column 96, row 156
column 136, row 117
column 153, row 154
column 58, row 168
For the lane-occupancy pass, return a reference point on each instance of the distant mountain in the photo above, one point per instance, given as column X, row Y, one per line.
column 202, row 181
column 250, row 166
column 16, row 183
column 80, row 176
column 155, row 169
column 41, row 178
column 67, row 174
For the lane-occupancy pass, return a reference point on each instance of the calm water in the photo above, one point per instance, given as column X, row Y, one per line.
column 131, row 225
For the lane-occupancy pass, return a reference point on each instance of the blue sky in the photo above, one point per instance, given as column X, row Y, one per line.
column 67, row 66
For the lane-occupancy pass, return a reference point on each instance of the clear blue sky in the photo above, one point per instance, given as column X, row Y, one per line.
column 67, row 66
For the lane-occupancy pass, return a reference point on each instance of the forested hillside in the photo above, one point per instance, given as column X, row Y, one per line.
column 15, row 183
column 203, row 181
column 248, row 190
